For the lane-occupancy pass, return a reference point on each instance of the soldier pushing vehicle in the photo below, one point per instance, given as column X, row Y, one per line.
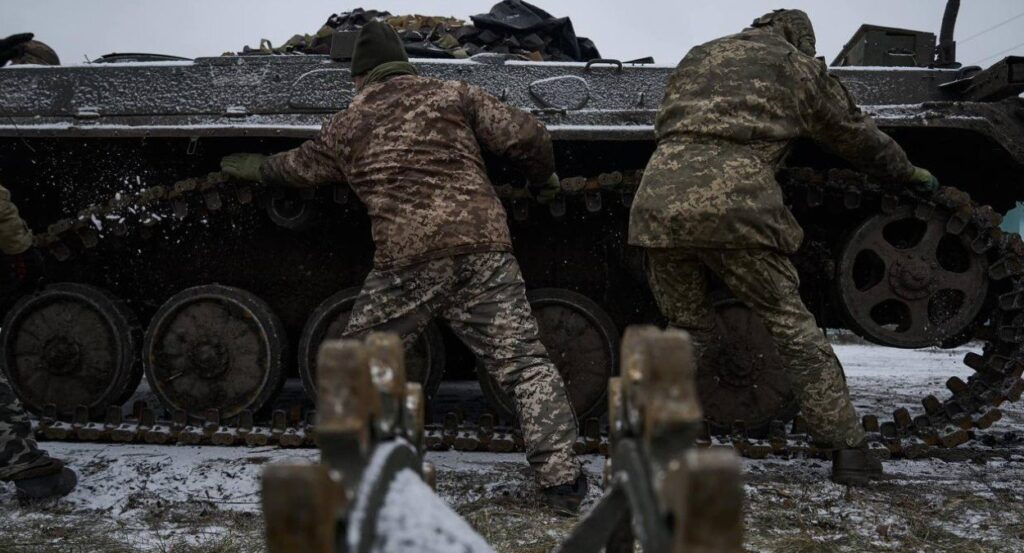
column 709, row 204
column 410, row 149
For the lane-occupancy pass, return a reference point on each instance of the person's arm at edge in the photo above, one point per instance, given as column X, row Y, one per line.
column 314, row 163
column 840, row 126
column 511, row 134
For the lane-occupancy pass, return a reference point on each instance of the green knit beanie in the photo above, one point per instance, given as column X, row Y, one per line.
column 377, row 43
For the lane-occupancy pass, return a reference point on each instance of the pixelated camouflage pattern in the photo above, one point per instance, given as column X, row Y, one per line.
column 15, row 237
column 732, row 109
column 792, row 25
column 18, row 450
column 767, row 282
column 482, row 297
column 410, row 148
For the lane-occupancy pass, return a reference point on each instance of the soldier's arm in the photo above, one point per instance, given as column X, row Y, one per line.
column 15, row 237
column 839, row 125
column 511, row 134
column 314, row 163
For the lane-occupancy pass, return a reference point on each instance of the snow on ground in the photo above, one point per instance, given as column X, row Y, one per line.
column 180, row 498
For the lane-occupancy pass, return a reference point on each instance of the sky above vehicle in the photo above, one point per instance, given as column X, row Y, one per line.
column 623, row 29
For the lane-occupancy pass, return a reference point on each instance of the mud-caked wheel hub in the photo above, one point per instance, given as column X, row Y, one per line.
column 70, row 345
column 215, row 347
column 740, row 376
column 61, row 356
column 209, row 358
column 904, row 280
column 912, row 277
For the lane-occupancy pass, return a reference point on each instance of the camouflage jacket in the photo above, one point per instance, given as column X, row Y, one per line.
column 410, row 148
column 731, row 111
column 14, row 234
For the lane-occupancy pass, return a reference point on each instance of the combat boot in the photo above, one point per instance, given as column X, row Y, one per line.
column 855, row 466
column 567, row 497
column 53, row 485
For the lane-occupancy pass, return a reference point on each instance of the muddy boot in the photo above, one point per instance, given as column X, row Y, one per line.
column 55, row 485
column 855, row 467
column 566, row 497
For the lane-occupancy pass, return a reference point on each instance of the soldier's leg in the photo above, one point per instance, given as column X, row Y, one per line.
column 679, row 283
column 18, row 451
column 402, row 301
column 491, row 315
column 768, row 283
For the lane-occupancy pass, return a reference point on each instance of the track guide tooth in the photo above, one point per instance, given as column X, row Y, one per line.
column 879, row 450
column 952, row 436
column 988, row 418
column 466, row 440
column 213, row 201
column 956, row 385
column 924, row 211
column 1013, row 389
column 889, row 204
column 902, row 419
column 1009, row 265
column 852, row 199
column 258, row 436
column 278, row 425
column 870, row 423
column 932, row 406
column 557, row 207
column 433, row 440
column 914, row 447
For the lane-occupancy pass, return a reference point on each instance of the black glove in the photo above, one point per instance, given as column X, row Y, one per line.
column 10, row 47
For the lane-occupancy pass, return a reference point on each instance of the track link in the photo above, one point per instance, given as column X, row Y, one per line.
column 944, row 423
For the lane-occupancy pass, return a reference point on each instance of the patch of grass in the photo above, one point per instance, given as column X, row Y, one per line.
column 522, row 528
column 98, row 534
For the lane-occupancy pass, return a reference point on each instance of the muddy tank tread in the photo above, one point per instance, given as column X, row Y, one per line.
column 944, row 423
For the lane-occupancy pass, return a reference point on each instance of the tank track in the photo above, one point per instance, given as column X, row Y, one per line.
column 943, row 424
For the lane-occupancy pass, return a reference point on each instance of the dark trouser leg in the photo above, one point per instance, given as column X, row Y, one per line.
column 767, row 282
column 679, row 283
column 402, row 301
column 490, row 314
column 18, row 450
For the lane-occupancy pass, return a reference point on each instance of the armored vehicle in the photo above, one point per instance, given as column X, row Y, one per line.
column 219, row 290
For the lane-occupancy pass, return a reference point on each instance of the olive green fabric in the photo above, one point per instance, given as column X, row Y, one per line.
column 376, row 44
column 387, row 70
column 732, row 110
column 767, row 282
column 792, row 25
column 15, row 237
column 482, row 297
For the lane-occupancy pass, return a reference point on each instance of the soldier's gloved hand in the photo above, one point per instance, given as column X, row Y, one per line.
column 243, row 166
column 549, row 191
column 923, row 182
column 27, row 268
column 9, row 47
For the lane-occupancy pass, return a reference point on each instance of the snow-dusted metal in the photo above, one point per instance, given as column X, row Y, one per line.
column 660, row 490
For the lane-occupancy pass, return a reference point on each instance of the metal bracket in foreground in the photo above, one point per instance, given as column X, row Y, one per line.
column 660, row 490
column 369, row 429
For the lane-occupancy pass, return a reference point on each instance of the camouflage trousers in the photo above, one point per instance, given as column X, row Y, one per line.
column 18, row 450
column 766, row 281
column 482, row 297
